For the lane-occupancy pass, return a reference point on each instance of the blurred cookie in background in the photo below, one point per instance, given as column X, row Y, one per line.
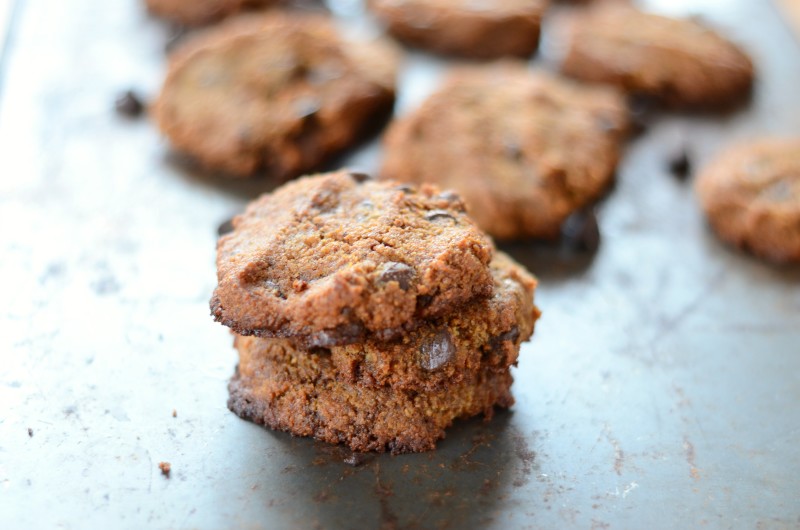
column 273, row 93
column 523, row 148
column 481, row 29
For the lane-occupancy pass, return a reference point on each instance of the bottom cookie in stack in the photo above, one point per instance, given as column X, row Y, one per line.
column 396, row 396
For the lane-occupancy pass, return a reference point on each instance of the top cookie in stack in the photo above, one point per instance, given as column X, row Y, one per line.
column 380, row 312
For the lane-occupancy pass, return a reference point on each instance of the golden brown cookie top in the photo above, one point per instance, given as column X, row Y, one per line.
column 751, row 194
column 274, row 92
column 523, row 148
column 334, row 257
column 681, row 61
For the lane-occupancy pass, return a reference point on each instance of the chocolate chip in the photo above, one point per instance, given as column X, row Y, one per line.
column 398, row 272
column 30, row 432
column 424, row 301
column 128, row 104
column 581, row 232
column 439, row 215
column 355, row 459
column 679, row 164
column 512, row 335
column 360, row 177
column 449, row 196
column 226, row 227
column 437, row 351
column 305, row 108
column 405, row 188
column 512, row 149
column 344, row 334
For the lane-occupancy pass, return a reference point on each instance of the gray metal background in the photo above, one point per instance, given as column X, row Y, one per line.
column 662, row 389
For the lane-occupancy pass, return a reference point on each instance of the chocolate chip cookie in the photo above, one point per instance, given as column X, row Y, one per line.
column 276, row 93
column 471, row 28
column 482, row 334
column 299, row 392
column 332, row 258
column 679, row 61
column 523, row 148
column 751, row 195
column 198, row 12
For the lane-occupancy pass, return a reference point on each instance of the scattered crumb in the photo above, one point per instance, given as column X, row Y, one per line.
column 165, row 468
column 174, row 413
column 30, row 432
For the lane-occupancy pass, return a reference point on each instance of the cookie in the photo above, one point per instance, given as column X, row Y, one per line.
column 523, row 148
column 199, row 12
column 297, row 391
column 276, row 93
column 332, row 258
column 681, row 62
column 481, row 29
column 484, row 334
column 751, row 195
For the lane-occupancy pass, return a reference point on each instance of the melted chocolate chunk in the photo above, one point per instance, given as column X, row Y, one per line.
column 226, row 227
column 345, row 334
column 439, row 215
column 398, row 272
column 360, row 177
column 437, row 351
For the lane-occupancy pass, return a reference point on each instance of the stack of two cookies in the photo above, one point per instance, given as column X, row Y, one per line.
column 368, row 313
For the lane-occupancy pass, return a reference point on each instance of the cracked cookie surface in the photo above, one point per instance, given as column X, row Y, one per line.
column 333, row 258
column 276, row 93
column 523, row 148
column 751, row 195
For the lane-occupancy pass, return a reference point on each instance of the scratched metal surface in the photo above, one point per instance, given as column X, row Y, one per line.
column 662, row 389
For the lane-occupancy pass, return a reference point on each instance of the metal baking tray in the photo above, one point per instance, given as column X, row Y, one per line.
column 661, row 390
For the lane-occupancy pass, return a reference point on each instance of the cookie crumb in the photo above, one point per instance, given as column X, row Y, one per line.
column 129, row 104
column 174, row 413
column 165, row 468
column 680, row 165
column 30, row 432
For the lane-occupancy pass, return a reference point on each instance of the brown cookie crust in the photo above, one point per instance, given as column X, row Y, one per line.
column 335, row 257
column 277, row 93
column 751, row 195
column 298, row 392
column 480, row 29
column 523, row 148
column 679, row 61
column 200, row 12
column 482, row 334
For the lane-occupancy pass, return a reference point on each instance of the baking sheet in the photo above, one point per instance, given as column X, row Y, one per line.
column 661, row 390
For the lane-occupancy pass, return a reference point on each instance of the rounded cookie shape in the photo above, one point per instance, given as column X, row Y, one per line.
column 297, row 391
column 523, row 148
column 334, row 257
column 751, row 195
column 679, row 61
column 277, row 93
column 484, row 334
column 472, row 28
column 199, row 12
